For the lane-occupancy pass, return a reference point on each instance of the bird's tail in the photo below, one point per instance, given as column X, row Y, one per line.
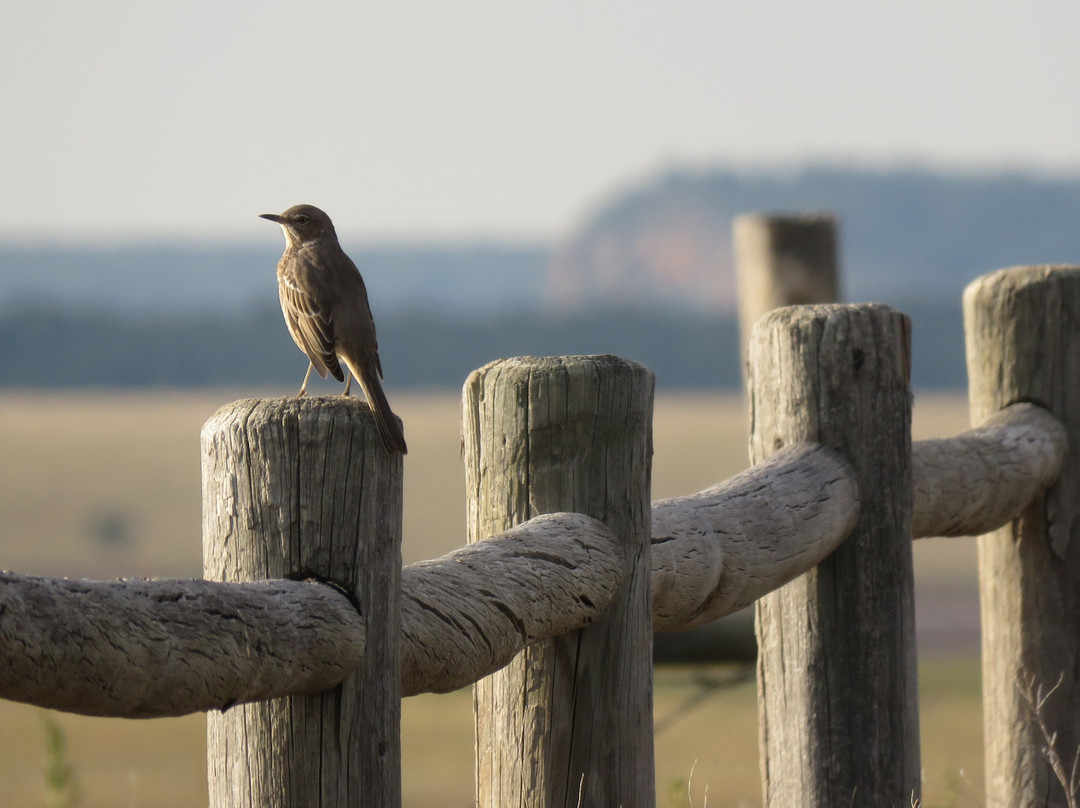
column 389, row 426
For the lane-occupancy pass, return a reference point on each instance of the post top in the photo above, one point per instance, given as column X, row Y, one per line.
column 812, row 218
column 528, row 365
column 1019, row 277
column 309, row 409
column 806, row 313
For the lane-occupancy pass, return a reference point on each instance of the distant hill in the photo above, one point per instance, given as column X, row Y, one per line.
column 647, row 276
column 906, row 235
column 461, row 277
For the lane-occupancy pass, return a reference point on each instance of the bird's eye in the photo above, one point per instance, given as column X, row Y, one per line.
column 301, row 219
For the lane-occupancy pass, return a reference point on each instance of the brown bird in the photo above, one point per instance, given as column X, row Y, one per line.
column 326, row 309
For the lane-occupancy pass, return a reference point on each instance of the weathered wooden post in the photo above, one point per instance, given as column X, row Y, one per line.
column 569, row 721
column 1023, row 344
column 783, row 260
column 838, row 717
column 303, row 488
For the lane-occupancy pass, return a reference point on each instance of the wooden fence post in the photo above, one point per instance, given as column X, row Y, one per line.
column 1023, row 344
column 569, row 721
column 783, row 260
column 303, row 488
column 838, row 717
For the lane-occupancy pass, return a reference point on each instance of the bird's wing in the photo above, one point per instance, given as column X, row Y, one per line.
column 310, row 324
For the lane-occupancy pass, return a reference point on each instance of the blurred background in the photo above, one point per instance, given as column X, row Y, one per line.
column 525, row 178
column 510, row 178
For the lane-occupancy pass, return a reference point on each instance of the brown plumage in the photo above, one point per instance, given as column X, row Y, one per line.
column 326, row 309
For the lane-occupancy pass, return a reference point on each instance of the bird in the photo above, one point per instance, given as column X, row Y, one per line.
column 325, row 304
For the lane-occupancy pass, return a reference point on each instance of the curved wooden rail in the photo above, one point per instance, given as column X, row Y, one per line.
column 168, row 647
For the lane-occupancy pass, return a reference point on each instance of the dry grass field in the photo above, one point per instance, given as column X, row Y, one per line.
column 102, row 484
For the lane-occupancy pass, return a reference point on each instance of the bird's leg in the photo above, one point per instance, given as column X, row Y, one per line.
column 348, row 383
column 303, row 387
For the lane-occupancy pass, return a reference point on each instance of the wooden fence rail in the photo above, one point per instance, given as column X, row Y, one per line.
column 308, row 631
column 713, row 553
column 145, row 649
column 982, row 479
column 468, row 613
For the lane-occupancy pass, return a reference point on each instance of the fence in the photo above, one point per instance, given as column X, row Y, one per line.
column 307, row 631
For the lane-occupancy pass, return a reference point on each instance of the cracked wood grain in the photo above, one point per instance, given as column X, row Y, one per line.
column 574, row 713
column 144, row 649
column 466, row 614
column 304, row 488
column 981, row 479
column 721, row 549
column 150, row 648
column 1023, row 345
column 836, row 667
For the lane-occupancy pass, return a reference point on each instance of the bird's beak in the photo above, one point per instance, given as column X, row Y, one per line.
column 272, row 217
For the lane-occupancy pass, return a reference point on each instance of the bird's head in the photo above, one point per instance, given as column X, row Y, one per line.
column 303, row 223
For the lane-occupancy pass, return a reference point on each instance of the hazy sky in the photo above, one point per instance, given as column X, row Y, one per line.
column 134, row 120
